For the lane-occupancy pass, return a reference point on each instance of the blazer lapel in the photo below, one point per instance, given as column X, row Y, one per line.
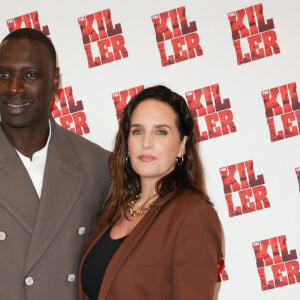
column 17, row 193
column 63, row 181
column 125, row 249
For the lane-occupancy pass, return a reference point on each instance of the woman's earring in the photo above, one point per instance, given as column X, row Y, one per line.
column 127, row 158
column 179, row 160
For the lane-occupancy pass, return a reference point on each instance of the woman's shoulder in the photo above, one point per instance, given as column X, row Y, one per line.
column 191, row 204
column 198, row 223
column 190, row 198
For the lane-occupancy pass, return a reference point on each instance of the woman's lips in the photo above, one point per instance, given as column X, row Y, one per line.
column 146, row 158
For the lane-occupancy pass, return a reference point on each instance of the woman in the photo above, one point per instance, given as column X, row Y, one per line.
column 158, row 236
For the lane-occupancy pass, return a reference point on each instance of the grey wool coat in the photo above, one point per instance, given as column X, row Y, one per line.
column 41, row 240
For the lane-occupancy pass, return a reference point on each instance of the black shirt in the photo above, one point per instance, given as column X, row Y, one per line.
column 96, row 262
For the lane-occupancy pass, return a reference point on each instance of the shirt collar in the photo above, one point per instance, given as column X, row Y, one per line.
column 41, row 152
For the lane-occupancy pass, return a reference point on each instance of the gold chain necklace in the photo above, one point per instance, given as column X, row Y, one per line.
column 142, row 211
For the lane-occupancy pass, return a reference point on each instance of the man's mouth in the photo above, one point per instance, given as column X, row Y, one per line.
column 18, row 105
column 17, row 109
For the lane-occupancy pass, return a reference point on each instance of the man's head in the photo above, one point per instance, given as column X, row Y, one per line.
column 33, row 35
column 28, row 79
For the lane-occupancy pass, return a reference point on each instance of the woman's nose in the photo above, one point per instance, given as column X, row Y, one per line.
column 147, row 140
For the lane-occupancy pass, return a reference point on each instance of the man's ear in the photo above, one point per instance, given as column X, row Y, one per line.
column 55, row 80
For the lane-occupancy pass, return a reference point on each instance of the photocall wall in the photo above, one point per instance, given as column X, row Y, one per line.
column 237, row 64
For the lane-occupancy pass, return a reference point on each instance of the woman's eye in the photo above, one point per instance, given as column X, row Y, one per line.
column 162, row 132
column 136, row 131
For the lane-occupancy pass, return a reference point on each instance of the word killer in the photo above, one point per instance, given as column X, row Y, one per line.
column 69, row 113
column 30, row 20
column 121, row 99
column 276, row 265
column 282, row 111
column 246, row 192
column 106, row 40
column 177, row 39
column 211, row 114
column 253, row 38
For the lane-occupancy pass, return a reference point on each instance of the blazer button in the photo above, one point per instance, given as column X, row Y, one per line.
column 29, row 281
column 71, row 277
column 2, row 236
column 81, row 230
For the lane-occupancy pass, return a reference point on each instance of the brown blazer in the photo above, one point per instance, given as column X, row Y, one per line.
column 41, row 240
column 172, row 253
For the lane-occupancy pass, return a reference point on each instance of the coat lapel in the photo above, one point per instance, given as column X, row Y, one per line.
column 17, row 193
column 63, row 182
column 125, row 249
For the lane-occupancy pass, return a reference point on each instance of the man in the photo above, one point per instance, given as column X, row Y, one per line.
column 52, row 181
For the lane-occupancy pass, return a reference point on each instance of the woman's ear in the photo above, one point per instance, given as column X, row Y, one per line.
column 181, row 151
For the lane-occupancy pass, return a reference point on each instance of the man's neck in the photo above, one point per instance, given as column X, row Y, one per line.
column 26, row 140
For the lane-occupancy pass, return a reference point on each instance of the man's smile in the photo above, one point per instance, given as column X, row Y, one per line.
column 17, row 108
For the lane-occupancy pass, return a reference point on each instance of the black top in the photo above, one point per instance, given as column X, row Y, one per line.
column 96, row 262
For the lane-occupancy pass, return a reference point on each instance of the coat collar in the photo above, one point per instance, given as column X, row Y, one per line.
column 124, row 250
column 17, row 193
column 64, row 179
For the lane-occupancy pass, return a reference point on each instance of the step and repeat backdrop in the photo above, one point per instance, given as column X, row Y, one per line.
column 237, row 63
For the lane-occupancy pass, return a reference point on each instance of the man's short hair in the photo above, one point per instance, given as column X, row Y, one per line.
column 34, row 35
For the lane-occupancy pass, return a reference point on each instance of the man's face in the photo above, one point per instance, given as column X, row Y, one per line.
column 28, row 80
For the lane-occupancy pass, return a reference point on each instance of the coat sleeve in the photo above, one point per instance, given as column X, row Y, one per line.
column 196, row 254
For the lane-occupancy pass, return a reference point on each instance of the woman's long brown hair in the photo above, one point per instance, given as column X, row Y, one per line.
column 127, row 183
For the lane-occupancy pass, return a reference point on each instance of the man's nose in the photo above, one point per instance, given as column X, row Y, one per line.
column 16, row 85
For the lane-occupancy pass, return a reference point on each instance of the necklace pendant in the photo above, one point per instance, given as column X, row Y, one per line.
column 142, row 211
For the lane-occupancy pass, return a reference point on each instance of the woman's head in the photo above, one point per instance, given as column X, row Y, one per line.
column 156, row 138
column 162, row 94
column 154, row 141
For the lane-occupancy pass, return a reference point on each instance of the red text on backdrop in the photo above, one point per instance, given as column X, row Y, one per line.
column 69, row 112
column 244, row 191
column 103, row 41
column 177, row 39
column 253, row 37
column 121, row 99
column 212, row 115
column 276, row 265
column 30, row 20
column 282, row 111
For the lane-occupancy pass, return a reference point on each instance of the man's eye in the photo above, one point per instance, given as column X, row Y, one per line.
column 31, row 75
column 4, row 75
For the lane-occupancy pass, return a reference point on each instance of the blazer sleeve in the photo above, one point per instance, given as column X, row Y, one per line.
column 196, row 254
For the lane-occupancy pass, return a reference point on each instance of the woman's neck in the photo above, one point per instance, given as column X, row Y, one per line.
column 148, row 192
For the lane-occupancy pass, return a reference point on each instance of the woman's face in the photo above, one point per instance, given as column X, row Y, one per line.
column 154, row 140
